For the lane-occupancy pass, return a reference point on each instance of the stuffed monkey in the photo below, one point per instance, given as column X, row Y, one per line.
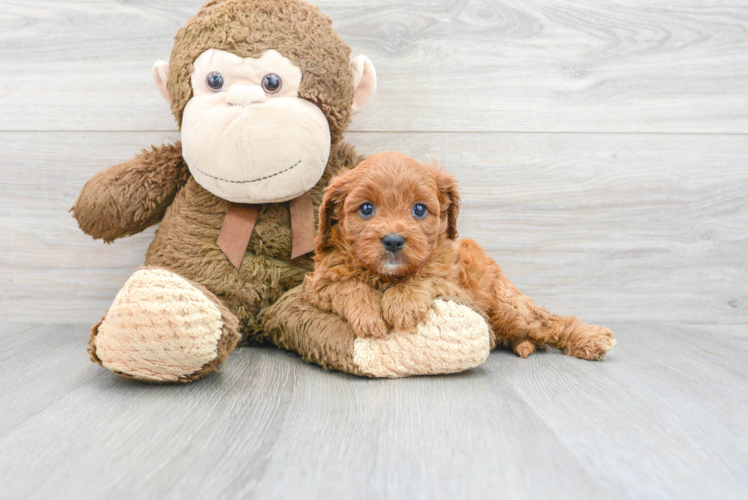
column 262, row 91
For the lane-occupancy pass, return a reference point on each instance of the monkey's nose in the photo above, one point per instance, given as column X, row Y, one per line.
column 393, row 242
column 241, row 95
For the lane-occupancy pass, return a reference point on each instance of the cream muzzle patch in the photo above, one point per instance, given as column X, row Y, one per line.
column 247, row 136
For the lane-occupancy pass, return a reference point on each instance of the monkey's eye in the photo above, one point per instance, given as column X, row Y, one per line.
column 272, row 83
column 215, row 81
column 419, row 211
column 366, row 210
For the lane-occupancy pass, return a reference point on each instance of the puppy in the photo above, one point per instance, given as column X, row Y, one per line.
column 387, row 247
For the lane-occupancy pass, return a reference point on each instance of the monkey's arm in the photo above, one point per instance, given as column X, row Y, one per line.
column 350, row 299
column 406, row 304
column 129, row 197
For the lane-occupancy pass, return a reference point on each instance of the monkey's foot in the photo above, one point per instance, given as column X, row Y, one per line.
column 453, row 338
column 163, row 328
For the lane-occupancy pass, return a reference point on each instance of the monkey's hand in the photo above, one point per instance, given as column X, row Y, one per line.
column 351, row 299
column 129, row 197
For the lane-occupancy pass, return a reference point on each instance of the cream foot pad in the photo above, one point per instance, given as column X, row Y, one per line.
column 453, row 338
column 160, row 328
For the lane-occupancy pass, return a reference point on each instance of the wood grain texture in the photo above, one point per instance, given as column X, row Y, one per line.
column 452, row 65
column 609, row 227
column 664, row 416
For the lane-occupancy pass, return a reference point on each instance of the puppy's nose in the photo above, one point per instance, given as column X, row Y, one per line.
column 393, row 242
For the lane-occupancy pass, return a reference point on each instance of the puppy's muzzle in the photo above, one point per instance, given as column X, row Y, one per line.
column 393, row 243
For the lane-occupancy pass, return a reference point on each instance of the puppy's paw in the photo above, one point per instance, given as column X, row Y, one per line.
column 369, row 323
column 594, row 344
column 404, row 312
column 524, row 348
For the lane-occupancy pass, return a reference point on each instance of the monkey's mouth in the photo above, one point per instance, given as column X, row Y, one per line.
column 252, row 180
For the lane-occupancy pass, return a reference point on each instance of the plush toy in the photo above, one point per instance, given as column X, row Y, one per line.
column 262, row 91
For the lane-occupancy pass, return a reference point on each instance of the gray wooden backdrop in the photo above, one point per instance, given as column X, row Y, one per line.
column 601, row 146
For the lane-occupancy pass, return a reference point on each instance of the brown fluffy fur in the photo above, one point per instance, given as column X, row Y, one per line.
column 156, row 185
column 356, row 278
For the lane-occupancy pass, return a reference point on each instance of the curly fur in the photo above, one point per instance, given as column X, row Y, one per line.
column 356, row 277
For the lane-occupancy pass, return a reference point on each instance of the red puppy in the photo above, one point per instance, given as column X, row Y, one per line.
column 387, row 247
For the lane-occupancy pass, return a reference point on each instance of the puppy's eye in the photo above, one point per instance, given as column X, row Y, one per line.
column 215, row 81
column 366, row 210
column 419, row 211
column 272, row 83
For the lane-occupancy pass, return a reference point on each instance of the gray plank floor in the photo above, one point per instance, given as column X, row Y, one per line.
column 665, row 416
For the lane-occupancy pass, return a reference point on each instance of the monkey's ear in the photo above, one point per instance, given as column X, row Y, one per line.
column 330, row 211
column 160, row 74
column 450, row 200
column 364, row 82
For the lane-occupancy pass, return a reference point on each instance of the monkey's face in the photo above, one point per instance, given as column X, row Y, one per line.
column 261, row 90
column 247, row 136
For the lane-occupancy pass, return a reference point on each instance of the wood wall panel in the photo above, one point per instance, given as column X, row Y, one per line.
column 452, row 65
column 612, row 227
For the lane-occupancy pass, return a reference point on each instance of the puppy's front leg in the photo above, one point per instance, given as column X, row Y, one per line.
column 351, row 299
column 407, row 303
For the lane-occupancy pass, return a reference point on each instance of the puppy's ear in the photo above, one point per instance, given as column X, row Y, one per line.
column 331, row 210
column 449, row 197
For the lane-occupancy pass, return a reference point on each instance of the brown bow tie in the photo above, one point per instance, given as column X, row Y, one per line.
column 240, row 220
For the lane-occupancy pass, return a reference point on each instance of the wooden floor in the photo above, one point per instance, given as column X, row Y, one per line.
column 664, row 416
